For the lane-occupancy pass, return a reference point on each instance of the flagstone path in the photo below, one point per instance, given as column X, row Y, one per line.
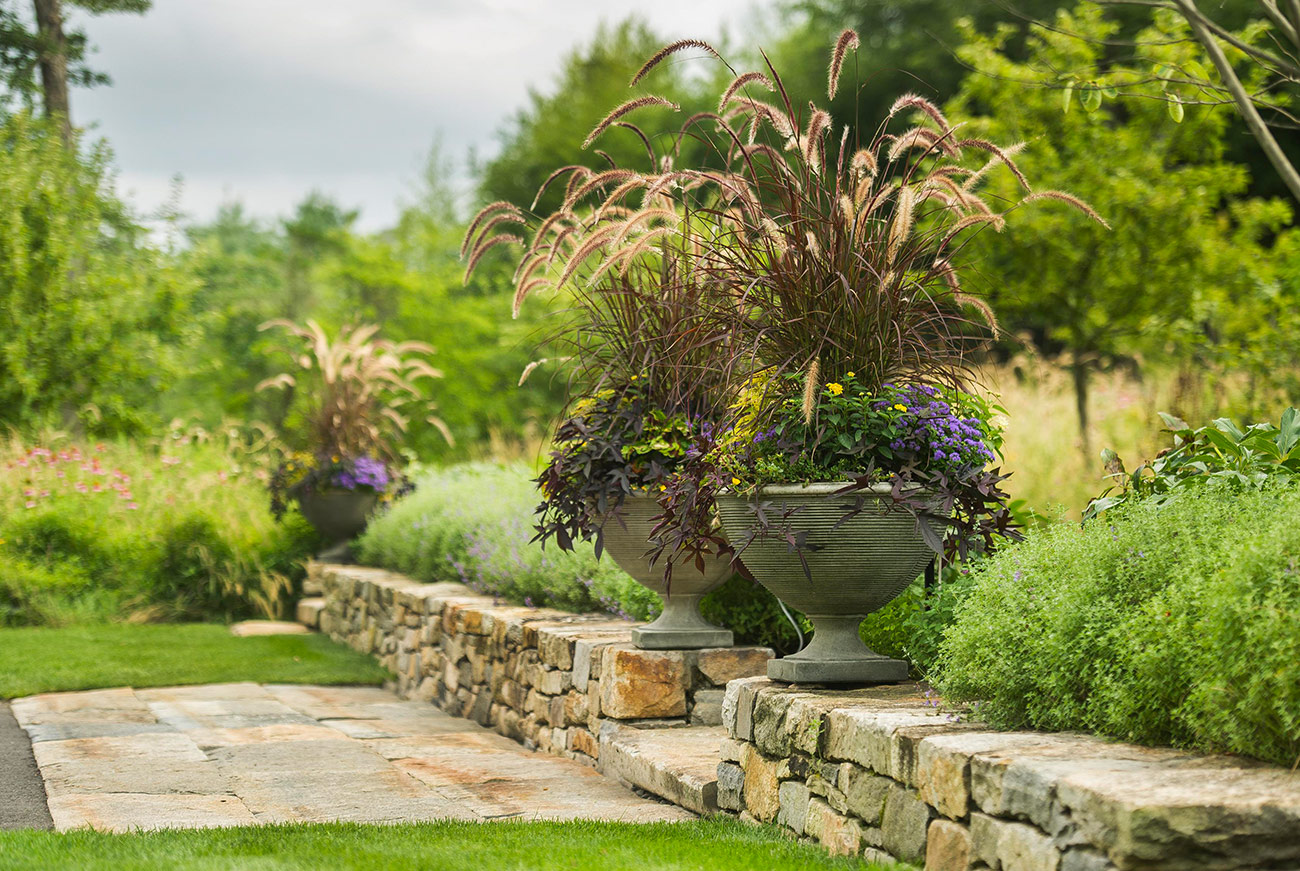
column 234, row 754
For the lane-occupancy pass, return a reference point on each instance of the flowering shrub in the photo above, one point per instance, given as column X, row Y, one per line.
column 171, row 530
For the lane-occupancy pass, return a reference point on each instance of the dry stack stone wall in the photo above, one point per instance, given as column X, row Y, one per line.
column 882, row 773
column 548, row 679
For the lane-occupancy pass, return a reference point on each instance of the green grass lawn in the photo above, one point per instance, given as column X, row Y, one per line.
column 708, row 845
column 40, row 660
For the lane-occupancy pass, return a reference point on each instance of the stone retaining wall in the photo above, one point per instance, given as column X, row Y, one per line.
column 546, row 678
column 882, row 772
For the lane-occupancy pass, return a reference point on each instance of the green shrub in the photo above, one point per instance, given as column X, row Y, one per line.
column 1175, row 624
column 474, row 524
column 175, row 531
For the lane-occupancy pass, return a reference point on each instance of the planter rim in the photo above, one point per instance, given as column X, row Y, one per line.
column 821, row 488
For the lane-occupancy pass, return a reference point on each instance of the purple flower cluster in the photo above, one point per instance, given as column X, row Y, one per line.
column 364, row 472
column 931, row 428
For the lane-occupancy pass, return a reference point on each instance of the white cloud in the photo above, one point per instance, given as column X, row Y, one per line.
column 264, row 100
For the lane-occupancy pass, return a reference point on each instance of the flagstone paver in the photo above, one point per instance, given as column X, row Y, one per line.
column 242, row 753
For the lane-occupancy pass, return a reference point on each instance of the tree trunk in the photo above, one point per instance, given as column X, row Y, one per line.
column 1079, row 371
column 54, row 64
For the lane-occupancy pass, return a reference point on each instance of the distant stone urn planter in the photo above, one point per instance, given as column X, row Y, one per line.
column 338, row 515
column 856, row 568
column 680, row 626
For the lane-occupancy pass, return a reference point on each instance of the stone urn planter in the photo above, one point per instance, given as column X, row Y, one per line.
column 338, row 515
column 856, row 568
column 680, row 626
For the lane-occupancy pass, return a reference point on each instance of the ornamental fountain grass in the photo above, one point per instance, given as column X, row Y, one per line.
column 635, row 339
column 359, row 391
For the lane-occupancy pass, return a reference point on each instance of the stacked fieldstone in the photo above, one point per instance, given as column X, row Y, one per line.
column 546, row 678
column 882, row 773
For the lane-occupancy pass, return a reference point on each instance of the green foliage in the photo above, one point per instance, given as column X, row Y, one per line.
column 473, row 524
column 177, row 531
column 48, row 660
column 1220, row 456
column 1169, row 625
column 94, row 315
column 1105, row 297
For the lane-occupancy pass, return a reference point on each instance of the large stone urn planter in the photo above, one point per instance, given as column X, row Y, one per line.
column 680, row 626
column 856, row 568
column 338, row 515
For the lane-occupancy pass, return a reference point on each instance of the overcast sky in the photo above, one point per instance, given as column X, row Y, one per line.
column 263, row 100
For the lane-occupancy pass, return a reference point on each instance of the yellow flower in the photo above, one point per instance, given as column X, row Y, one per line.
column 835, row 389
column 851, row 374
column 663, row 487
column 900, row 407
column 735, row 482
column 335, row 458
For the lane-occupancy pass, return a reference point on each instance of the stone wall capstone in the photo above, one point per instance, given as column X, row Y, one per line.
column 881, row 773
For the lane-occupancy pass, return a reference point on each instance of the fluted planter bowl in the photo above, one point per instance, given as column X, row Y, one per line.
column 337, row 515
column 680, row 626
column 855, row 569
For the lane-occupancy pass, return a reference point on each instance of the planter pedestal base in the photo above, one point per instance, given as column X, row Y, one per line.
column 836, row 654
column 854, row 671
column 680, row 627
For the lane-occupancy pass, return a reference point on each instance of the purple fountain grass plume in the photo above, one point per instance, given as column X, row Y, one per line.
column 848, row 41
column 669, row 50
column 629, row 106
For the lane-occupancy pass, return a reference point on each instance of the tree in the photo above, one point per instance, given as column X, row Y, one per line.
column 44, row 44
column 1255, row 63
column 1100, row 297
column 94, row 316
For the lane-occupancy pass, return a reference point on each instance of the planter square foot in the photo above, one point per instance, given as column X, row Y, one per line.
column 854, row 671
column 681, row 639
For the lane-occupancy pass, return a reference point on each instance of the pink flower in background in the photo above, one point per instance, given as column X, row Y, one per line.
column 30, row 504
column 98, row 488
column 100, row 448
column 131, row 506
column 82, row 488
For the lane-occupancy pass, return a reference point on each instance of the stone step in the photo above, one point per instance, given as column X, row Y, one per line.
column 309, row 611
column 679, row 764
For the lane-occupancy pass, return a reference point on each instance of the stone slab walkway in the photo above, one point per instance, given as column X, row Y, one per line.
column 244, row 753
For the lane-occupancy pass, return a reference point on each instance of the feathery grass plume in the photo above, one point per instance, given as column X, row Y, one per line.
column 922, row 138
column 916, row 101
column 819, row 122
column 578, row 170
column 904, row 217
column 779, row 121
column 810, row 384
column 973, row 179
column 619, row 112
column 1063, row 197
column 985, row 310
column 669, row 50
column 486, row 246
column 740, row 81
column 489, row 209
column 631, row 224
column 999, row 154
column 521, row 292
column 589, row 246
column 997, row 222
column 595, row 183
column 493, row 223
column 848, row 41
column 863, row 164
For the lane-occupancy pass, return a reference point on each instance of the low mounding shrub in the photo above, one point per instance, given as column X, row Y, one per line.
column 474, row 524
column 1175, row 624
column 176, row 531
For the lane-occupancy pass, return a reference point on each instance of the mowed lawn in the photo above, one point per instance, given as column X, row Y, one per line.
column 40, row 660
column 707, row 845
